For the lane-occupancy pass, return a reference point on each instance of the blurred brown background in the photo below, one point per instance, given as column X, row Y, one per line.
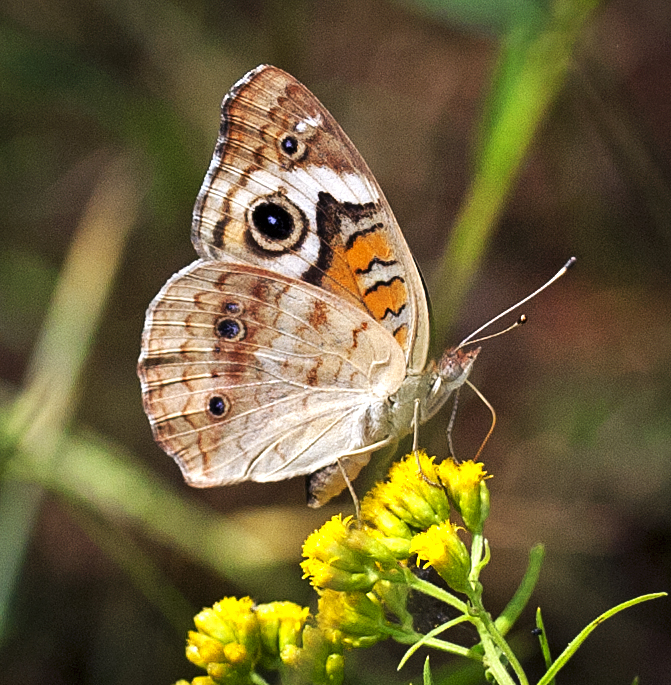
column 101, row 580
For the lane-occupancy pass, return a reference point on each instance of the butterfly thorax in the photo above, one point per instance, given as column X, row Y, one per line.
column 431, row 388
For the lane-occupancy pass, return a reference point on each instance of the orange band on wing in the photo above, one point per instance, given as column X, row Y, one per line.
column 366, row 248
column 401, row 335
column 340, row 272
column 386, row 298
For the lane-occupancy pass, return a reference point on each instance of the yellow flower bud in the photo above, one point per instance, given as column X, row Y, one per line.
column 357, row 618
column 201, row 649
column 281, row 626
column 334, row 669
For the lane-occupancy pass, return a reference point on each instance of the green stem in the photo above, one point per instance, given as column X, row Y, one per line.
column 478, row 546
column 442, row 645
column 431, row 590
column 476, row 551
column 425, row 639
column 492, row 658
column 495, row 644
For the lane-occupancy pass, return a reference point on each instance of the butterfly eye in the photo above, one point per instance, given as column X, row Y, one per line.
column 276, row 224
column 293, row 147
column 232, row 308
column 218, row 406
column 289, row 145
column 231, row 329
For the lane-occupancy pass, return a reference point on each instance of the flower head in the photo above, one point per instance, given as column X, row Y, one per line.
column 467, row 490
column 412, row 494
column 441, row 547
column 281, row 628
column 227, row 643
column 341, row 557
column 354, row 618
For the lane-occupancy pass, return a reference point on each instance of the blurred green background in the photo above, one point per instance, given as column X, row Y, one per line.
column 507, row 136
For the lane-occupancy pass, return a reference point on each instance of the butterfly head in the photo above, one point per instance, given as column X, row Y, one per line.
column 455, row 365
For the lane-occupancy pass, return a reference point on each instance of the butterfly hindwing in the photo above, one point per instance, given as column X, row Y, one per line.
column 249, row 375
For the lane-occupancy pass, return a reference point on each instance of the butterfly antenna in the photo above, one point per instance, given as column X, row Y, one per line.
column 468, row 340
column 493, row 412
column 520, row 322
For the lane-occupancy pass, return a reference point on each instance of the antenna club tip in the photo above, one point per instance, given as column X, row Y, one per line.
column 570, row 262
column 522, row 320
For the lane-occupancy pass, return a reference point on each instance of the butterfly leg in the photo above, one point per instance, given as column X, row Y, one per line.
column 493, row 412
column 415, row 425
column 350, row 487
column 415, row 441
column 450, row 423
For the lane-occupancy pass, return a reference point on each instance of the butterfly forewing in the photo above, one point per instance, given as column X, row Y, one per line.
column 281, row 156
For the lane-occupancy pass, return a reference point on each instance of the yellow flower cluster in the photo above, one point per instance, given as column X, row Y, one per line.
column 362, row 573
column 235, row 637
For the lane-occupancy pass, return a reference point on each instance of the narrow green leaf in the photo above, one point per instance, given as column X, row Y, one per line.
column 572, row 647
column 543, row 638
column 520, row 599
column 428, row 678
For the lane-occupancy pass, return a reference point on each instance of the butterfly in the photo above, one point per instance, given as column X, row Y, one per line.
column 297, row 344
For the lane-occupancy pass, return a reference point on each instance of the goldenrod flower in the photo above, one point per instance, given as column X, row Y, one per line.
column 340, row 557
column 466, row 488
column 385, row 526
column 441, row 547
column 227, row 643
column 281, row 628
column 410, row 496
column 354, row 618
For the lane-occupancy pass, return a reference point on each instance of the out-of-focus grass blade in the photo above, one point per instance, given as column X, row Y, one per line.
column 33, row 429
column 246, row 548
column 534, row 62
